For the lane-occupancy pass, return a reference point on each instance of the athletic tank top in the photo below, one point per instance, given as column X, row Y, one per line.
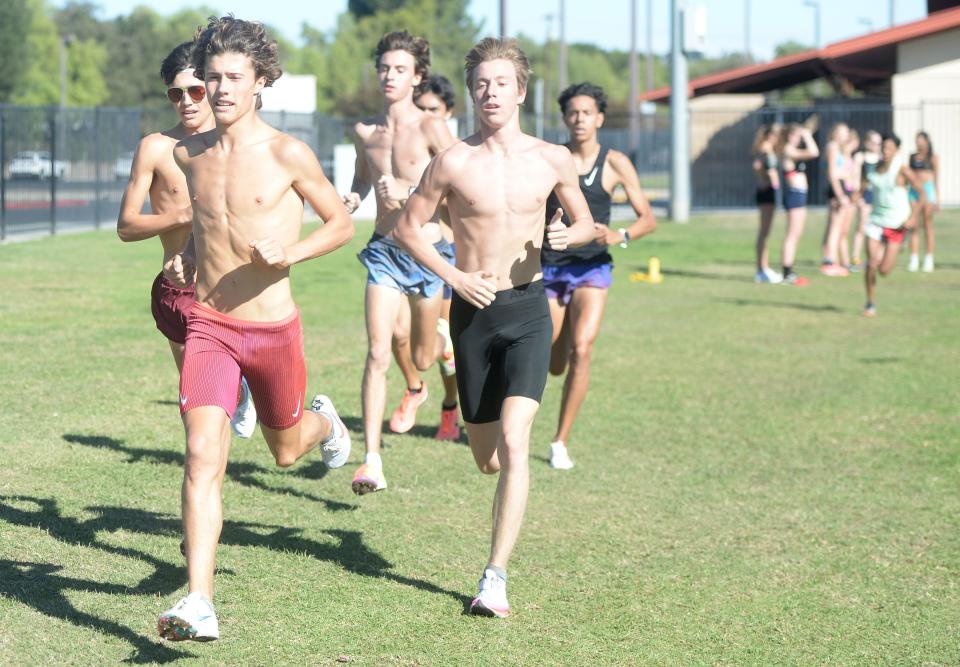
column 917, row 162
column 891, row 206
column 591, row 184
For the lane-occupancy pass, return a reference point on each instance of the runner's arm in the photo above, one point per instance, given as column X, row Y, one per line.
column 312, row 184
column 627, row 176
column 582, row 228
column 935, row 163
column 132, row 225
column 477, row 288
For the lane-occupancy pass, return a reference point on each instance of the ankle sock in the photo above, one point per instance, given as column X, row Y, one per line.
column 499, row 571
column 415, row 391
column 373, row 459
column 452, row 406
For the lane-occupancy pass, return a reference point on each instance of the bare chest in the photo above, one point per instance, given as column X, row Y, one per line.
column 502, row 187
column 403, row 153
column 244, row 185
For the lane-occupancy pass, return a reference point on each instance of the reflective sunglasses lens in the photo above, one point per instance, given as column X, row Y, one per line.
column 196, row 92
column 174, row 95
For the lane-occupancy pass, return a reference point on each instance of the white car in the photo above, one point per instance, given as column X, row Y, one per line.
column 36, row 164
column 121, row 168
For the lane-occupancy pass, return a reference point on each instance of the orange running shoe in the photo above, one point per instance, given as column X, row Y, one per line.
column 449, row 424
column 405, row 416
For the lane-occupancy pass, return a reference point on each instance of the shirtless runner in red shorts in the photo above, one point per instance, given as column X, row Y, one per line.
column 247, row 184
column 154, row 172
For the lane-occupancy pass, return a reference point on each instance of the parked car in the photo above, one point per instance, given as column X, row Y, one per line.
column 121, row 168
column 36, row 164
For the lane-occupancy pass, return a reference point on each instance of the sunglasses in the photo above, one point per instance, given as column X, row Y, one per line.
column 196, row 93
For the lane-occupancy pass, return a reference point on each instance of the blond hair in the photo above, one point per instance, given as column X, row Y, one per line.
column 492, row 48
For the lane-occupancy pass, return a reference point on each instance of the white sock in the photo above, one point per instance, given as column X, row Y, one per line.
column 373, row 459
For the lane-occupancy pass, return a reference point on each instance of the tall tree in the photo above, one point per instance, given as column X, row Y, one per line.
column 15, row 19
column 40, row 82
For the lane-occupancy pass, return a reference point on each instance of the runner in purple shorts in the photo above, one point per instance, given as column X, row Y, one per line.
column 576, row 280
column 155, row 173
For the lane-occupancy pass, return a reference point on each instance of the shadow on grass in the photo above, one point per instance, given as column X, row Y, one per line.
column 881, row 360
column 821, row 308
column 38, row 586
column 705, row 275
column 243, row 473
column 164, row 402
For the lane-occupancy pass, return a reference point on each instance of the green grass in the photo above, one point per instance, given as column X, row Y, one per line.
column 763, row 477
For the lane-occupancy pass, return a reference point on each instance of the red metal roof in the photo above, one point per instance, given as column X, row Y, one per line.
column 865, row 58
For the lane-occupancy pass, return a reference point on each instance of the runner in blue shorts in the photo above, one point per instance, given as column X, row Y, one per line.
column 576, row 280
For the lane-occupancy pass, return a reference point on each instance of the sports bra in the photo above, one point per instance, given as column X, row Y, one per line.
column 916, row 162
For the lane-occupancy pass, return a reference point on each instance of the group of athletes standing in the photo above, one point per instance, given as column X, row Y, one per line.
column 892, row 197
column 227, row 195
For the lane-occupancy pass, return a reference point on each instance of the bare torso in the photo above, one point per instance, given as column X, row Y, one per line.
column 402, row 151
column 239, row 195
column 168, row 190
column 497, row 202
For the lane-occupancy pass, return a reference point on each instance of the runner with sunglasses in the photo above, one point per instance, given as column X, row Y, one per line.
column 155, row 173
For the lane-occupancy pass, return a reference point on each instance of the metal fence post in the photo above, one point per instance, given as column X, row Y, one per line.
column 3, row 175
column 97, row 167
column 53, row 171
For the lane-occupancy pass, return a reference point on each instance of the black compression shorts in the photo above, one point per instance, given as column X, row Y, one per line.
column 501, row 350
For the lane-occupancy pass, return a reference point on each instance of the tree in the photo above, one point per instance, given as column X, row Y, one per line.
column 15, row 19
column 40, row 82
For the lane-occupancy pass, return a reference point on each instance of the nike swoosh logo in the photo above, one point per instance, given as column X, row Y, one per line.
column 183, row 400
column 588, row 181
column 297, row 411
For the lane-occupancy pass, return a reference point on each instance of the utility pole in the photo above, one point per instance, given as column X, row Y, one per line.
column 890, row 11
column 746, row 29
column 649, row 44
column 634, row 75
column 815, row 4
column 679, row 119
column 503, row 19
column 562, row 56
column 546, row 63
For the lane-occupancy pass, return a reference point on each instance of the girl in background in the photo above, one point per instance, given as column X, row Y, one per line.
column 797, row 146
column 865, row 162
column 838, row 193
column 891, row 216
column 926, row 165
column 765, row 167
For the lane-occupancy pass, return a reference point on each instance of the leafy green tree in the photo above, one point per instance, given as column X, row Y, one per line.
column 40, row 82
column 15, row 19
column 86, row 86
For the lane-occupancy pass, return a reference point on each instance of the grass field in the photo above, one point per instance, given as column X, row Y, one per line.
column 763, row 477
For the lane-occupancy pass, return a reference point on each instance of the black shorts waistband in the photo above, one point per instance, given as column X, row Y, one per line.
column 531, row 290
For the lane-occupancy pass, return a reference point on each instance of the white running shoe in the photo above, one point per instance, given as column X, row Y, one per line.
column 492, row 598
column 559, row 458
column 913, row 264
column 448, row 365
column 773, row 277
column 335, row 449
column 928, row 264
column 245, row 417
column 191, row 618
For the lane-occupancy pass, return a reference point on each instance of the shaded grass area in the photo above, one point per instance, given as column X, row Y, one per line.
column 763, row 477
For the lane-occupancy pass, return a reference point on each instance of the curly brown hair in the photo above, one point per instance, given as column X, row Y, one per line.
column 228, row 34
column 401, row 40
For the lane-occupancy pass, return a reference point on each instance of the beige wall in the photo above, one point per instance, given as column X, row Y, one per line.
column 926, row 96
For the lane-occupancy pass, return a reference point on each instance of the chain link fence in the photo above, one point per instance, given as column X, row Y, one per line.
column 66, row 169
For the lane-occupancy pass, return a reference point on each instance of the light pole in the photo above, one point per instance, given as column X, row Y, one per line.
column 546, row 63
column 746, row 29
column 562, row 55
column 649, row 45
column 679, row 119
column 634, row 74
column 503, row 19
column 65, row 41
column 816, row 20
column 890, row 11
